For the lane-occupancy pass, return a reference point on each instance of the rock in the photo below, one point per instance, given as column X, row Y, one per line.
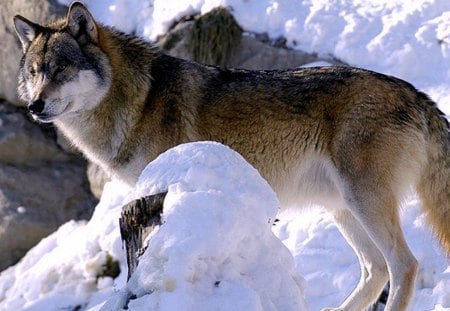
column 36, row 200
column 254, row 54
column 22, row 142
column 249, row 51
column 213, row 37
column 176, row 41
column 41, row 186
column 10, row 53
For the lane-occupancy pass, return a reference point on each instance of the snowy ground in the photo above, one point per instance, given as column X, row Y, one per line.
column 409, row 39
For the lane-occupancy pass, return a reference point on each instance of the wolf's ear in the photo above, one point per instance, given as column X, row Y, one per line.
column 26, row 31
column 81, row 23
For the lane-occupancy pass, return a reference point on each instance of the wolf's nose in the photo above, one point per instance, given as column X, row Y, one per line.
column 37, row 106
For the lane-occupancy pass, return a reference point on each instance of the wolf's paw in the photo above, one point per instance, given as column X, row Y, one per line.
column 332, row 309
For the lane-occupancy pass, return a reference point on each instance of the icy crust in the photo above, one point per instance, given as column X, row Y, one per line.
column 215, row 249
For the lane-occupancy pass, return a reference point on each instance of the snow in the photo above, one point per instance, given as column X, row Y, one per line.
column 217, row 224
column 408, row 39
column 214, row 251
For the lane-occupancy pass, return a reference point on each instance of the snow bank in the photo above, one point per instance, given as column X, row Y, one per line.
column 61, row 271
column 214, row 251
column 330, row 267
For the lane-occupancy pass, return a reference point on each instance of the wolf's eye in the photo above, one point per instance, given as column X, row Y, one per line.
column 60, row 68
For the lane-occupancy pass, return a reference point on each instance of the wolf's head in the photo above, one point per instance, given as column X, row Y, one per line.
column 63, row 69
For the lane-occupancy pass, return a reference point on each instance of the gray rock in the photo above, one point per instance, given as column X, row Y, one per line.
column 41, row 186
column 254, row 54
column 252, row 51
column 10, row 53
column 23, row 142
column 176, row 41
column 36, row 200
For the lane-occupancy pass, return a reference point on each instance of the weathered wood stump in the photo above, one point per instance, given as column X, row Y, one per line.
column 138, row 219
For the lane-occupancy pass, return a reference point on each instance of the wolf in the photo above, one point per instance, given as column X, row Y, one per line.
column 352, row 140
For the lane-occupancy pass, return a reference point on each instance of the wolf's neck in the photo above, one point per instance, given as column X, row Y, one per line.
column 124, row 131
column 102, row 133
column 93, row 135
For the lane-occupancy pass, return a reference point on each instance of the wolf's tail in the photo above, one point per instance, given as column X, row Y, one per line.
column 434, row 184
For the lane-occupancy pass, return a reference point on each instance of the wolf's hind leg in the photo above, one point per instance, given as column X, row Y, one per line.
column 377, row 212
column 374, row 273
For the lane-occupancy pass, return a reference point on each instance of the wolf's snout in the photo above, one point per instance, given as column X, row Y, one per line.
column 36, row 106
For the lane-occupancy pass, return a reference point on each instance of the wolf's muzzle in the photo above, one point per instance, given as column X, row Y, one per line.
column 36, row 106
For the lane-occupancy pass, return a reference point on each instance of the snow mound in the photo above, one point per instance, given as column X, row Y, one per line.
column 215, row 249
column 62, row 271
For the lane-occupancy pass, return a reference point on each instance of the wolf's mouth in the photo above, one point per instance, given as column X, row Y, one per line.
column 46, row 117
column 41, row 117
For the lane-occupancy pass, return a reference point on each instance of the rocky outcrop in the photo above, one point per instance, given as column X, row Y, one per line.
column 23, row 142
column 35, row 200
column 41, row 186
column 240, row 49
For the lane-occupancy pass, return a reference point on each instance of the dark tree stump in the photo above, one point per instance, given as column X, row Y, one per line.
column 139, row 218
